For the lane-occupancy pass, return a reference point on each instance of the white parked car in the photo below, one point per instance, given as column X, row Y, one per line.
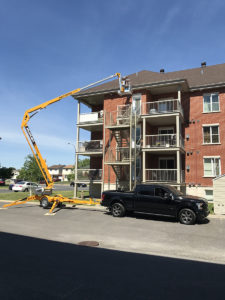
column 25, row 186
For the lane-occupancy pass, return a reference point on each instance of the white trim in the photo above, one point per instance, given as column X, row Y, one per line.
column 212, row 156
column 216, row 124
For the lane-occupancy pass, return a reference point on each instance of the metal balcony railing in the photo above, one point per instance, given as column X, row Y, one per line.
column 161, row 107
column 89, row 174
column 90, row 146
column 119, row 117
column 93, row 117
column 120, row 154
column 163, row 141
column 163, row 175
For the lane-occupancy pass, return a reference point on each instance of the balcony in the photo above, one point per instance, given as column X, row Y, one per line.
column 91, row 118
column 120, row 155
column 163, row 141
column 119, row 117
column 163, row 175
column 161, row 107
column 90, row 147
column 89, row 174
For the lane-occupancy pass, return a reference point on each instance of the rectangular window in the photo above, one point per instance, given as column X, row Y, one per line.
column 212, row 166
column 211, row 134
column 209, row 195
column 211, row 103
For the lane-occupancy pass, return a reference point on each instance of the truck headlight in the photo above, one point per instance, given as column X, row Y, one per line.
column 199, row 205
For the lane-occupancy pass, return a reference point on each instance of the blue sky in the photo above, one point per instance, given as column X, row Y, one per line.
column 49, row 47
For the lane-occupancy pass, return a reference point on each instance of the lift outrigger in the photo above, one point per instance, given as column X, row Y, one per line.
column 45, row 197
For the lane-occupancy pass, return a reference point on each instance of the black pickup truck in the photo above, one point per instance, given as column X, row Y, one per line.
column 158, row 200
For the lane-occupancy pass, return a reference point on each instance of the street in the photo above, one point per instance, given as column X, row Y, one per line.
column 41, row 258
column 135, row 232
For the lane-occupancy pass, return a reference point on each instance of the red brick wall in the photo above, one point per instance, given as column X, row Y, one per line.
column 193, row 111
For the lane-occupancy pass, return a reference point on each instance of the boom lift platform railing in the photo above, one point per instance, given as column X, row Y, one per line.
column 46, row 198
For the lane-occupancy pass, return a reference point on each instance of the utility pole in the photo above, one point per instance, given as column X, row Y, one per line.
column 74, row 190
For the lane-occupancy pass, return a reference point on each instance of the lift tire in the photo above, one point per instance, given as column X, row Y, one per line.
column 44, row 203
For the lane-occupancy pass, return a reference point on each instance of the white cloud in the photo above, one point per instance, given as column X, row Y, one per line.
column 169, row 18
column 42, row 140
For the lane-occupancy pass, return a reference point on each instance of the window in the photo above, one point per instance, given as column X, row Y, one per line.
column 160, row 192
column 212, row 166
column 136, row 104
column 211, row 134
column 211, row 103
column 209, row 195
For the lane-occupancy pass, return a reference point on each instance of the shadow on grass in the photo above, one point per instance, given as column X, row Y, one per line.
column 32, row 268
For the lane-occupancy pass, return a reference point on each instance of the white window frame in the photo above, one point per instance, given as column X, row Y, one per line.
column 211, row 94
column 212, row 158
column 211, row 125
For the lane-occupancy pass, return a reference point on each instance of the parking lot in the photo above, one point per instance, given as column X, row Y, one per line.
column 139, row 257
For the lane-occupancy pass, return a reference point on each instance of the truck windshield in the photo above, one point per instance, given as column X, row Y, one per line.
column 175, row 191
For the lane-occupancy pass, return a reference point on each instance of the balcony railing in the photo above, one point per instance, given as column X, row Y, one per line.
column 93, row 117
column 163, row 141
column 89, row 174
column 90, row 146
column 120, row 154
column 161, row 107
column 119, row 117
column 163, row 175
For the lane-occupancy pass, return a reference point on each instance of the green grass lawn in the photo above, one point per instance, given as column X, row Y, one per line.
column 211, row 208
column 20, row 195
column 4, row 187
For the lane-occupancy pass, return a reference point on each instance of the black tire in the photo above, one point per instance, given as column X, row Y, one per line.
column 187, row 216
column 44, row 203
column 26, row 190
column 118, row 210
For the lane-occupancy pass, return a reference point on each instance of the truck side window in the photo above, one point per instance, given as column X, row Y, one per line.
column 147, row 192
column 160, row 192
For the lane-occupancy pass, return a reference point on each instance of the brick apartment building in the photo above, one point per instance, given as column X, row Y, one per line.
column 168, row 128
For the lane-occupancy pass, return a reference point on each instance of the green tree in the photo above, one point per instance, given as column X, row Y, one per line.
column 6, row 173
column 30, row 170
column 84, row 163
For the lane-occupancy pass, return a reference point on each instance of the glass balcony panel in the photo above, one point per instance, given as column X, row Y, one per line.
column 93, row 117
column 90, row 146
column 161, row 107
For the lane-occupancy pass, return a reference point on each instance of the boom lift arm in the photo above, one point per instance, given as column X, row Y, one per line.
column 29, row 137
column 45, row 198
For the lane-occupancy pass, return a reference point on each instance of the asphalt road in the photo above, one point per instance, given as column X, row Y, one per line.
column 40, row 258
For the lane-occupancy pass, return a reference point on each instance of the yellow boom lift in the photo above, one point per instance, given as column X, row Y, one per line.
column 46, row 198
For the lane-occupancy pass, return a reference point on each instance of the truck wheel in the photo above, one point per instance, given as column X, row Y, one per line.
column 118, row 210
column 187, row 216
column 44, row 202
